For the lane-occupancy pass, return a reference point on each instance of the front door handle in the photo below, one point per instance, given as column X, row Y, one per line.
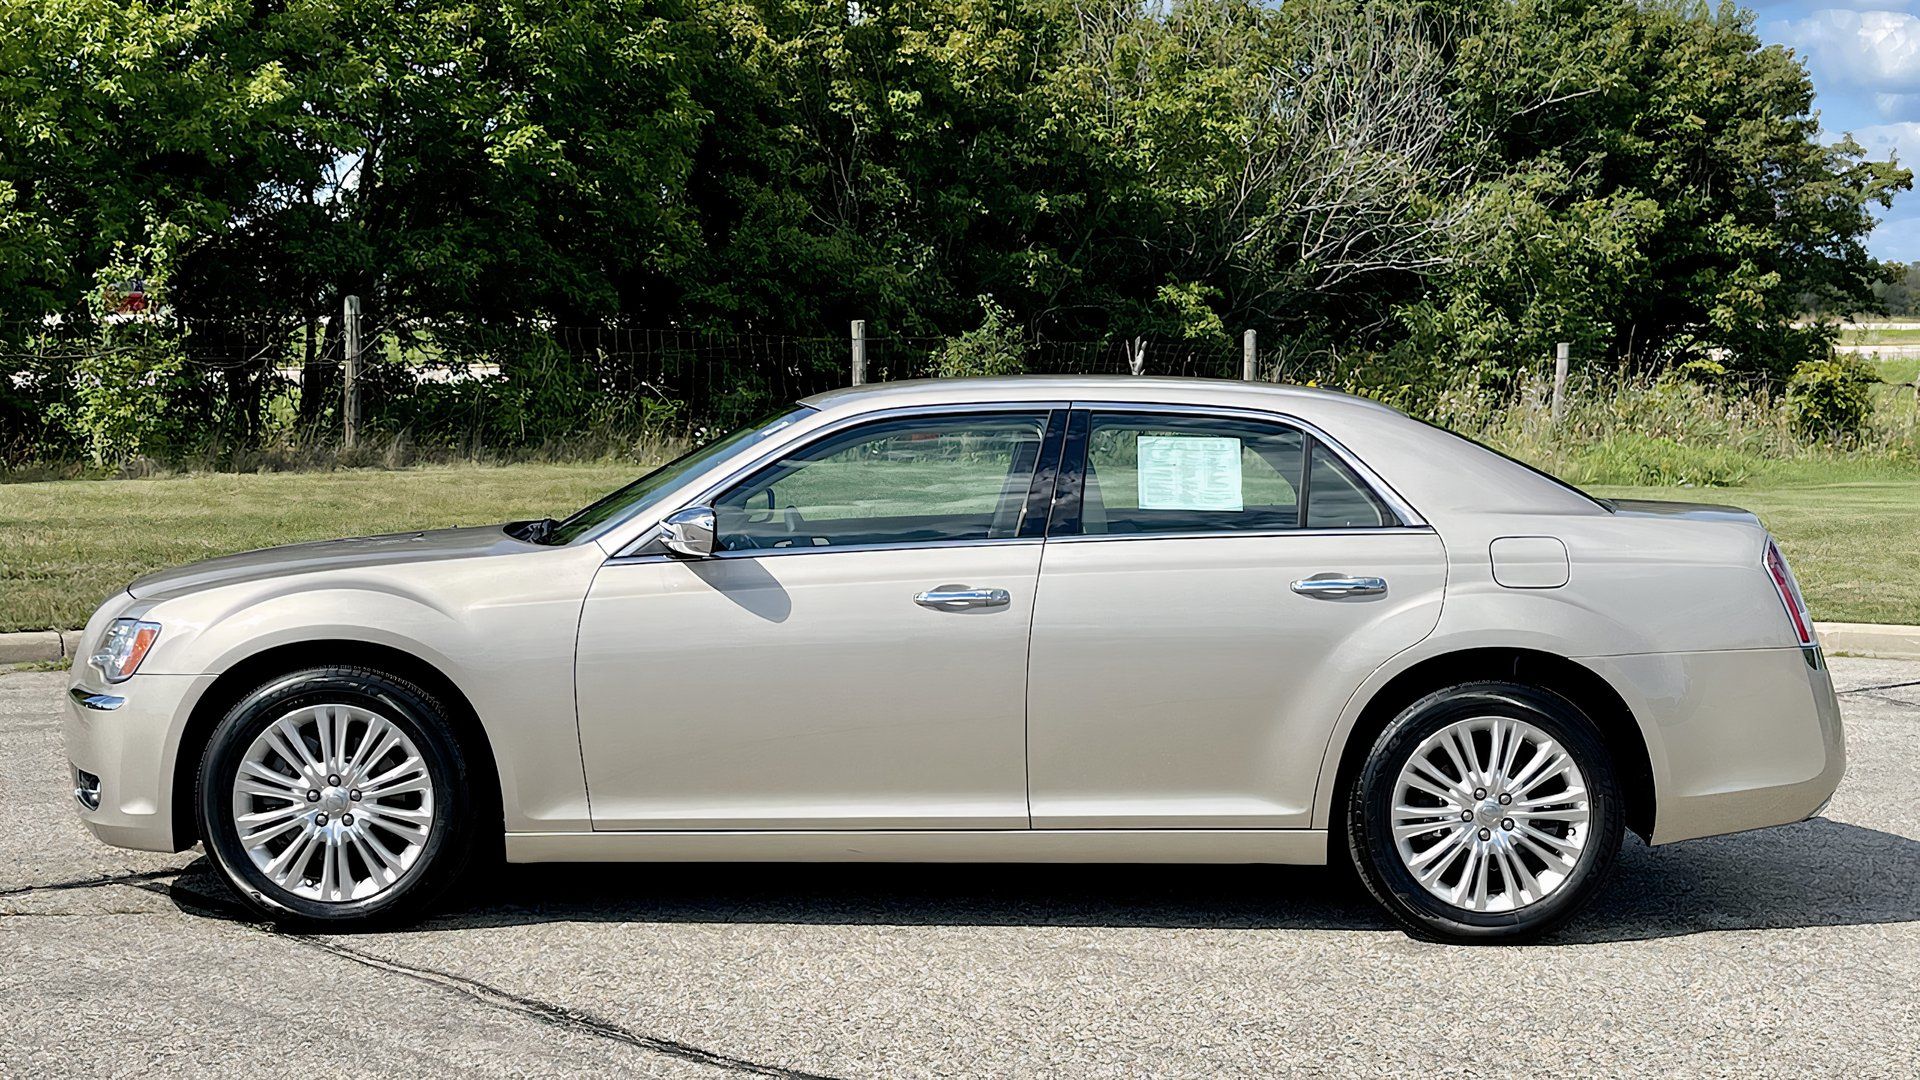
column 960, row 597
column 1334, row 586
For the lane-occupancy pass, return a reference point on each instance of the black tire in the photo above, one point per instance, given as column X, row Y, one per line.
column 417, row 713
column 1369, row 825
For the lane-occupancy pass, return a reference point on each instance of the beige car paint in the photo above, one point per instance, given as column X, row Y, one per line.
column 1135, row 728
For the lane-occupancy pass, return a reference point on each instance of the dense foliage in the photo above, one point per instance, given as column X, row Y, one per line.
column 1431, row 184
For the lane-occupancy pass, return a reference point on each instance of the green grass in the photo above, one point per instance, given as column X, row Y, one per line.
column 1880, row 335
column 66, row 545
column 1852, row 530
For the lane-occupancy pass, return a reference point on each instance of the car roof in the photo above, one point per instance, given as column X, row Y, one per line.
column 1172, row 390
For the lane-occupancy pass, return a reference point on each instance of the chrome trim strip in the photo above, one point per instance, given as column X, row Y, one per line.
column 1409, row 517
column 97, row 702
column 1248, row 534
column 828, row 549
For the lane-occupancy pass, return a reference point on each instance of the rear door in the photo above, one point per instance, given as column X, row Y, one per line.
column 1215, row 585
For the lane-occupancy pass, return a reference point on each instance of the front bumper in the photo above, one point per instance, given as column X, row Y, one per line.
column 124, row 739
column 1738, row 740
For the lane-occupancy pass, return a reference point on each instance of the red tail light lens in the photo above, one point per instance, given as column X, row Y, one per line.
column 1789, row 591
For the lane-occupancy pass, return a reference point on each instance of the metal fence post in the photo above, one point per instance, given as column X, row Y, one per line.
column 859, row 351
column 1560, row 352
column 1249, row 356
column 350, row 371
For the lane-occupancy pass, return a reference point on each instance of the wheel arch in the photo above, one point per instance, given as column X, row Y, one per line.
column 241, row 678
column 1581, row 685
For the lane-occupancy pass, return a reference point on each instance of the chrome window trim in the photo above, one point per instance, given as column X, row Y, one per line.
column 1247, row 534
column 825, row 549
column 626, row 551
column 1409, row 517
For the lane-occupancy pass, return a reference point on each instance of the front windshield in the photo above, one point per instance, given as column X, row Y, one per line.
column 641, row 493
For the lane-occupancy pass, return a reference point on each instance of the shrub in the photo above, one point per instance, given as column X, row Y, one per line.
column 1832, row 398
column 994, row 348
column 1651, row 461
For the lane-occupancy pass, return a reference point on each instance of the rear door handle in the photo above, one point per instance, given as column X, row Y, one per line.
column 960, row 597
column 1333, row 586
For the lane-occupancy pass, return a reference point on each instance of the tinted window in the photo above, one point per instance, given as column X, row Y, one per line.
column 960, row 477
column 1159, row 474
column 1173, row 474
column 1336, row 499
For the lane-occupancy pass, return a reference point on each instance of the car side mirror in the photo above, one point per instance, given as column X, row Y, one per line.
column 690, row 532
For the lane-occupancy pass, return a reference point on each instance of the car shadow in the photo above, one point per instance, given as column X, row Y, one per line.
column 1818, row 873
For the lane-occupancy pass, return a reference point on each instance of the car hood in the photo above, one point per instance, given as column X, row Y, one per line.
column 354, row 552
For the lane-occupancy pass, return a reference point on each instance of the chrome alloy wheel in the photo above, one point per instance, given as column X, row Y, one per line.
column 1490, row 814
column 333, row 803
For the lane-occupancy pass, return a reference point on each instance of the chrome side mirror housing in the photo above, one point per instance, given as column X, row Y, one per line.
column 689, row 532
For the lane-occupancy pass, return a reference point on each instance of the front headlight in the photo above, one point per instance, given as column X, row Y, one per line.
column 122, row 648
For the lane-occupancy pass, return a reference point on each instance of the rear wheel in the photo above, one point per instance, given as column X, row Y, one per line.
column 1487, row 811
column 336, row 795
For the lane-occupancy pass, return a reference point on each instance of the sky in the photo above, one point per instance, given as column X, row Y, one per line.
column 1865, row 60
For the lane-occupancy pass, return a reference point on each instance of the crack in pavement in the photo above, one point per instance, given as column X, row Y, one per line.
column 131, row 877
column 494, row 997
column 1880, row 686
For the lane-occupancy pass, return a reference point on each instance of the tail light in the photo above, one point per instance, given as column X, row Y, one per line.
column 1789, row 591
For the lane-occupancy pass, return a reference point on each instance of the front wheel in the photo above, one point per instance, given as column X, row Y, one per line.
column 336, row 795
column 1487, row 811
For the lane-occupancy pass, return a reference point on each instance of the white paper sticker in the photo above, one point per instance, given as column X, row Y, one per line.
column 1189, row 472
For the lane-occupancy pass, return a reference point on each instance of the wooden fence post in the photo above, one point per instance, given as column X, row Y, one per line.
column 1560, row 352
column 350, row 371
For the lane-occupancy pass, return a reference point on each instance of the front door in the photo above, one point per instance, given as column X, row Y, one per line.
column 853, row 657
column 1199, row 628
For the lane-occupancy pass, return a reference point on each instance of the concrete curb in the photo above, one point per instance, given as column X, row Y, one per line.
column 38, row 645
column 1870, row 639
column 1854, row 639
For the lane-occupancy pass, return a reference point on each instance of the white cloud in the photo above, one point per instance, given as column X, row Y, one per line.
column 1873, row 50
column 1902, row 140
column 1892, row 105
column 1896, row 239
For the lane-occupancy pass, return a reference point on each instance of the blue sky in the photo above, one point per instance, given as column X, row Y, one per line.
column 1865, row 61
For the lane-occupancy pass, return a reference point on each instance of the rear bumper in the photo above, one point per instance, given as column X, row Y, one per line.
column 1737, row 740
column 125, row 737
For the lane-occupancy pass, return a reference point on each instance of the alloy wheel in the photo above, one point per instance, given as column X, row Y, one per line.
column 333, row 802
column 1490, row 814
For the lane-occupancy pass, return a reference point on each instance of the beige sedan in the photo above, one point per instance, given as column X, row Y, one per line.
column 995, row 620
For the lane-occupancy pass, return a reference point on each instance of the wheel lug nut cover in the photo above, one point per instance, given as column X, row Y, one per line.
column 346, row 819
column 335, row 780
column 319, row 819
column 1466, row 815
column 1486, row 834
column 1506, row 823
column 354, row 794
column 1505, row 798
column 313, row 796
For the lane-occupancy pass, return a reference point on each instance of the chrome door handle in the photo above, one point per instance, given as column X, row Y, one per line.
column 958, row 597
column 1332, row 586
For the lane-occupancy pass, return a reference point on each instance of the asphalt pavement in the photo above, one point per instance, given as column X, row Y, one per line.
column 1785, row 951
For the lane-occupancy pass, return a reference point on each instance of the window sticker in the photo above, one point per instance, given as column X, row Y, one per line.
column 1189, row 472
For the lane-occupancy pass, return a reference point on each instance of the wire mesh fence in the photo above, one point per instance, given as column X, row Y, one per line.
column 152, row 385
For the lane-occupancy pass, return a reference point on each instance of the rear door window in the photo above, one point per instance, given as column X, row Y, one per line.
column 1168, row 474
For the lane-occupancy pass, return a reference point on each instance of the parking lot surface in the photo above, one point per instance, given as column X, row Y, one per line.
column 1786, row 951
